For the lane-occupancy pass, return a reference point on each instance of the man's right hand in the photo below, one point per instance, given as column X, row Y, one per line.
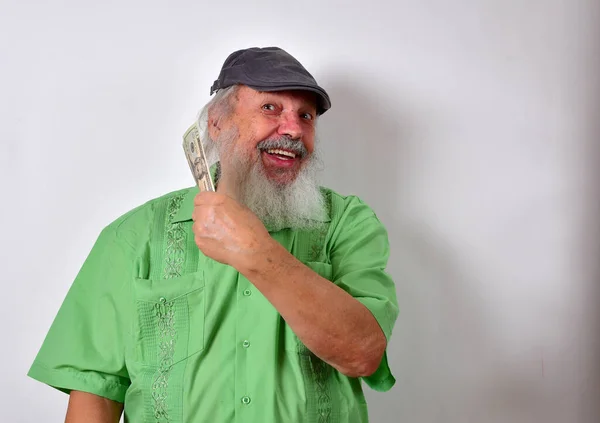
column 89, row 408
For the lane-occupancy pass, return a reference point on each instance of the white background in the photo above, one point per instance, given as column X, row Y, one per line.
column 469, row 126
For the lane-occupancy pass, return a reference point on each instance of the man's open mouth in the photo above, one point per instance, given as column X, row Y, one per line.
column 281, row 154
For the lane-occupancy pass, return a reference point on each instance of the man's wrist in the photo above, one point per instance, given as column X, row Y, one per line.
column 265, row 260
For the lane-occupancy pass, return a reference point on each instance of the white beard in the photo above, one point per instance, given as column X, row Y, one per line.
column 298, row 205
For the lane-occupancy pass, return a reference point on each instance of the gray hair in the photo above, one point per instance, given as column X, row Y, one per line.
column 220, row 106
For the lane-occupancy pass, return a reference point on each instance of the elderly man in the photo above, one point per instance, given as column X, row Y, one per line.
column 265, row 301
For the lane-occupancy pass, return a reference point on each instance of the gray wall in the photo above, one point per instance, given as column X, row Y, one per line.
column 471, row 127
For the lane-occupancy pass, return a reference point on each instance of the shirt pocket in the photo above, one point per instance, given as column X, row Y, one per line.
column 169, row 319
column 292, row 342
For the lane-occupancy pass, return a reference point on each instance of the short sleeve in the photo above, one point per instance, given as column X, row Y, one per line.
column 359, row 258
column 84, row 349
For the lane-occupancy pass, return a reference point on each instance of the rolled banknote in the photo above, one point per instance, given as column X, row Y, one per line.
column 194, row 151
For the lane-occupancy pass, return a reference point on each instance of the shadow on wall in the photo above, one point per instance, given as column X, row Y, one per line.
column 589, row 253
column 366, row 140
column 363, row 143
column 442, row 350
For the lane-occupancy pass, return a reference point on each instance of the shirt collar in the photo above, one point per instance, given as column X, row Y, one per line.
column 187, row 206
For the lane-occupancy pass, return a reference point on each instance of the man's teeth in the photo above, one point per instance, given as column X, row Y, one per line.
column 281, row 153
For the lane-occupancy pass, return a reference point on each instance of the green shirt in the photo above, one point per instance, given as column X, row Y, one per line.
column 178, row 337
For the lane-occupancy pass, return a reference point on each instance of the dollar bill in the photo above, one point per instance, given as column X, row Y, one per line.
column 194, row 151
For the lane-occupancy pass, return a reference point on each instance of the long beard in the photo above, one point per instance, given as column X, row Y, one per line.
column 298, row 205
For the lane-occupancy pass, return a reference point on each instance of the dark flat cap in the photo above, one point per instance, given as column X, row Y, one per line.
column 269, row 69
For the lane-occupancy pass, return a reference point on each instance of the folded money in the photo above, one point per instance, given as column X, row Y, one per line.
column 194, row 151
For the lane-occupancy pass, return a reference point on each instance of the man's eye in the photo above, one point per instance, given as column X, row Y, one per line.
column 268, row 107
column 307, row 116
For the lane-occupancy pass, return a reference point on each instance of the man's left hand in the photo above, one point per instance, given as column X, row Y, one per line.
column 227, row 231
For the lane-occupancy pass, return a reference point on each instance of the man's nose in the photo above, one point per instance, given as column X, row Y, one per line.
column 290, row 126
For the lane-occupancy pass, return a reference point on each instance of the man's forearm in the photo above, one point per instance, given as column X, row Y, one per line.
column 329, row 321
column 89, row 408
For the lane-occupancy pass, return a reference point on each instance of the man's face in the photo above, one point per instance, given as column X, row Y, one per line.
column 268, row 163
column 275, row 129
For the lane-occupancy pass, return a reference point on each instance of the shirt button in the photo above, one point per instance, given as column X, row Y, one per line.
column 162, row 300
column 247, row 292
column 246, row 400
column 246, row 344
